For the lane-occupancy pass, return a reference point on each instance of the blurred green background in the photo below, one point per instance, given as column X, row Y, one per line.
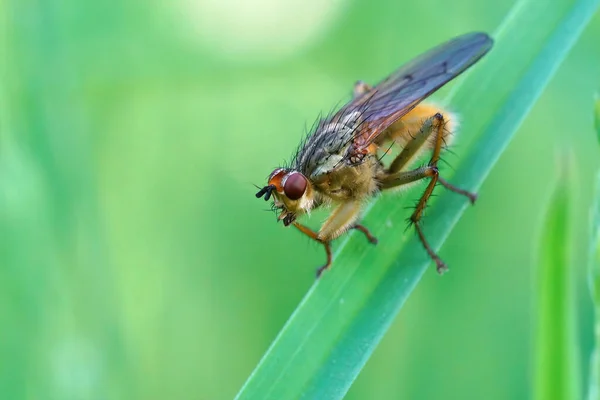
column 135, row 261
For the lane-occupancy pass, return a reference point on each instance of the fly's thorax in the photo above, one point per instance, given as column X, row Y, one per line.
column 293, row 194
column 325, row 149
column 350, row 182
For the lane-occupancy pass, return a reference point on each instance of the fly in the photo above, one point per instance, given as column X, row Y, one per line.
column 340, row 164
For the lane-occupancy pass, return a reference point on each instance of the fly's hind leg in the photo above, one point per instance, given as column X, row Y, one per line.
column 395, row 177
column 470, row 195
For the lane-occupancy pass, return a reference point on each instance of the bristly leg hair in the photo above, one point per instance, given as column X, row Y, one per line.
column 446, row 163
column 387, row 151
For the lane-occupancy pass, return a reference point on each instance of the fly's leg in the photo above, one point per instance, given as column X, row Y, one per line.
column 340, row 220
column 395, row 177
column 390, row 181
column 471, row 196
column 413, row 146
column 406, row 177
column 313, row 235
column 366, row 231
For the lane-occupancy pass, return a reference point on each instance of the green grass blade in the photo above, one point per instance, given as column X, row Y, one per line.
column 556, row 367
column 594, row 278
column 597, row 115
column 334, row 330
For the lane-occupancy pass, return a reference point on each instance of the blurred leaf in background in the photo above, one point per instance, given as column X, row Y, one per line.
column 597, row 115
column 594, row 282
column 557, row 374
column 135, row 260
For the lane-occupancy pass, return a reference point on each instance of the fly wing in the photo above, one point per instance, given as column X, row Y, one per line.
column 404, row 89
column 356, row 125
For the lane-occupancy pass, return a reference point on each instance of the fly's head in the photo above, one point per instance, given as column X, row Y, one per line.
column 292, row 194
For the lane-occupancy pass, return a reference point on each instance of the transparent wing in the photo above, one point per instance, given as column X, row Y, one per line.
column 395, row 96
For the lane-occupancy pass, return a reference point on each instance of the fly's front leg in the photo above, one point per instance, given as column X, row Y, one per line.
column 313, row 235
column 395, row 177
column 340, row 220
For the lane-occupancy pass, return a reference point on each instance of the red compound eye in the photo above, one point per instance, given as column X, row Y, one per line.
column 294, row 186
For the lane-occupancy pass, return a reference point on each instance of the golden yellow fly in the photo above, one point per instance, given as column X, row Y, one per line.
column 339, row 163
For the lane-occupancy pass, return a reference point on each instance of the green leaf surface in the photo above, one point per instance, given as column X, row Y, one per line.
column 338, row 324
column 557, row 375
column 594, row 280
column 597, row 115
